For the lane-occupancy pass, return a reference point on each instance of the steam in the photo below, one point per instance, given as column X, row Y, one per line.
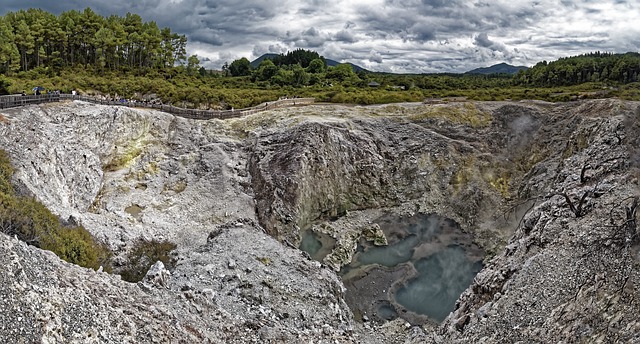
column 442, row 278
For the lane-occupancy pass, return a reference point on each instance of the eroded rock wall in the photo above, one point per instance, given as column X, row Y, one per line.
column 328, row 167
column 96, row 163
column 567, row 274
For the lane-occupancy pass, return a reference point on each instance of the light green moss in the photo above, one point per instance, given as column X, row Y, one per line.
column 126, row 153
column 463, row 174
column 501, row 184
column 265, row 260
column 577, row 143
column 123, row 160
column 465, row 113
column 176, row 187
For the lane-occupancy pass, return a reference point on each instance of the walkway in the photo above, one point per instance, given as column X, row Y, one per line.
column 19, row 100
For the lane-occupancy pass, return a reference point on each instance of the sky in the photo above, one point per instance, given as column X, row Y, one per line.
column 400, row 36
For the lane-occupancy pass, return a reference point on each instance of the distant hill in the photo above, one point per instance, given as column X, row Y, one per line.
column 355, row 67
column 331, row 63
column 255, row 63
column 501, row 68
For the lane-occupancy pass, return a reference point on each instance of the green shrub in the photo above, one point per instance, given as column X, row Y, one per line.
column 31, row 222
column 143, row 255
column 6, row 172
column 76, row 245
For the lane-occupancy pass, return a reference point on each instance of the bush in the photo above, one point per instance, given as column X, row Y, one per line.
column 33, row 223
column 76, row 245
column 6, row 172
column 143, row 255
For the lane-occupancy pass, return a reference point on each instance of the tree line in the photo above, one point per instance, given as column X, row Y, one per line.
column 34, row 38
column 296, row 68
column 128, row 57
column 575, row 70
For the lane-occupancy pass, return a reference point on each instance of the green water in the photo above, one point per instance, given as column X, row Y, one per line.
column 317, row 245
column 310, row 243
column 390, row 255
column 439, row 259
column 442, row 277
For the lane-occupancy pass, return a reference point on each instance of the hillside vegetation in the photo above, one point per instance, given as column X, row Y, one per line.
column 593, row 67
column 33, row 223
column 126, row 57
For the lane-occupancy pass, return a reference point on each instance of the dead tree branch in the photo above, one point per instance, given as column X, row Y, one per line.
column 578, row 210
column 631, row 223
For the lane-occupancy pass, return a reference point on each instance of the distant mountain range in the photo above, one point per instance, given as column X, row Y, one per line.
column 500, row 68
column 255, row 63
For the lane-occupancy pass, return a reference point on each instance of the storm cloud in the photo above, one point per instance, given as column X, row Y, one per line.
column 416, row 36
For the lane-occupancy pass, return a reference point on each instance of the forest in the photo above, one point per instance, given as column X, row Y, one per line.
column 33, row 39
column 131, row 58
column 609, row 68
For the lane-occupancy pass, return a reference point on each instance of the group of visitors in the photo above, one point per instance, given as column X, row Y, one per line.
column 38, row 91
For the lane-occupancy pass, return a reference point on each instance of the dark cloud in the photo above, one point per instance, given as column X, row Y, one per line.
column 423, row 32
column 482, row 40
column 309, row 38
column 385, row 35
column 207, row 36
column 375, row 57
column 345, row 36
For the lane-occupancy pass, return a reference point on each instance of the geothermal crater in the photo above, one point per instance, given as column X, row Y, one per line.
column 402, row 204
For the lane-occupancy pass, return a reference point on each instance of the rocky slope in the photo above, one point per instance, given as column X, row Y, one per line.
column 223, row 190
column 570, row 273
column 460, row 161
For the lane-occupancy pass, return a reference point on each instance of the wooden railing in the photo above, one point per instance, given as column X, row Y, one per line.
column 19, row 100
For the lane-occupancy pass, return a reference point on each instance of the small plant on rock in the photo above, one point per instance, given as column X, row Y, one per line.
column 143, row 255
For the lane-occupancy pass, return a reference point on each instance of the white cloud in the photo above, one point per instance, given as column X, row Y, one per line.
column 397, row 35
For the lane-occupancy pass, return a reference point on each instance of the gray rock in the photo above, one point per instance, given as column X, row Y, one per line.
column 551, row 276
column 157, row 276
